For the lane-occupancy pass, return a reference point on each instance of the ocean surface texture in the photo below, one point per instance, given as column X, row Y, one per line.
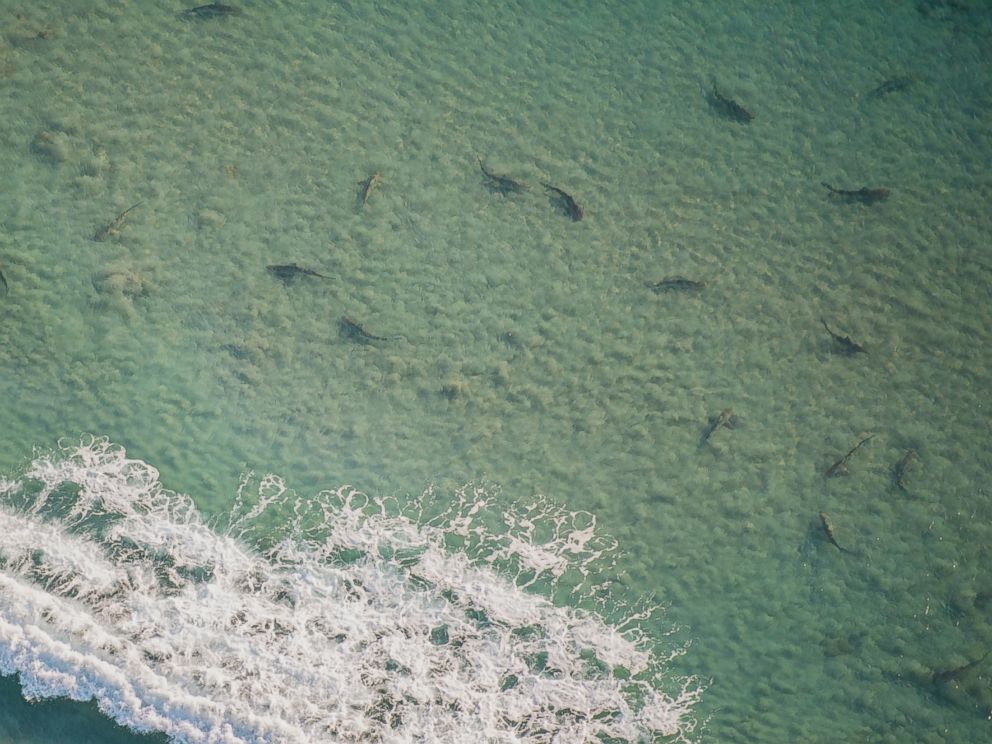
column 513, row 371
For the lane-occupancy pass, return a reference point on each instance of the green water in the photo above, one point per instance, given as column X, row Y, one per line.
column 531, row 353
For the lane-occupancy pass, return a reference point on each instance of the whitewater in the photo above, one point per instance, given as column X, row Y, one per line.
column 336, row 617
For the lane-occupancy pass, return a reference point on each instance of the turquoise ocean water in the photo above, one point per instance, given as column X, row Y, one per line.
column 224, row 514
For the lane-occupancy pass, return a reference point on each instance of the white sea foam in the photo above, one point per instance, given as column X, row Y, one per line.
column 336, row 618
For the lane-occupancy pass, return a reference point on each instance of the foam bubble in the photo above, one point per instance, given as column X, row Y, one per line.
column 338, row 617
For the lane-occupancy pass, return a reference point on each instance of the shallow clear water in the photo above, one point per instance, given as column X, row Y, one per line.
column 531, row 356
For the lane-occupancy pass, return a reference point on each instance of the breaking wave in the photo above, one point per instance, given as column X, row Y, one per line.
column 332, row 618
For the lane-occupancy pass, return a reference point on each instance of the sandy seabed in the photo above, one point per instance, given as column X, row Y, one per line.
column 530, row 351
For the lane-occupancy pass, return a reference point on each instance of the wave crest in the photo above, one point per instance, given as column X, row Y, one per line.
column 338, row 617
